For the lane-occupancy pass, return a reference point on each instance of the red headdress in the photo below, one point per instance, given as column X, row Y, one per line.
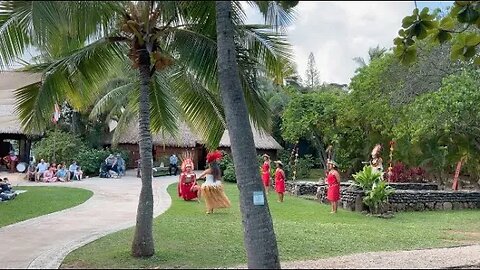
column 213, row 156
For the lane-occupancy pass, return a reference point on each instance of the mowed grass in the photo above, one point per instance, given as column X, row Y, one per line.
column 185, row 237
column 38, row 201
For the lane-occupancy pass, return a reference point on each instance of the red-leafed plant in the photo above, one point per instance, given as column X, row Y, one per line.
column 402, row 174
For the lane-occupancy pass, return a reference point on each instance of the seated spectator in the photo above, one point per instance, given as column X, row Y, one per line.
column 54, row 166
column 49, row 175
column 41, row 169
column 71, row 170
column 5, row 186
column 61, row 174
column 78, row 175
column 11, row 161
column 6, row 191
column 31, row 172
column 109, row 161
column 120, row 165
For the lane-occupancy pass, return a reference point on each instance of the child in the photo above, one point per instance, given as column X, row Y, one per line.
column 279, row 180
column 78, row 174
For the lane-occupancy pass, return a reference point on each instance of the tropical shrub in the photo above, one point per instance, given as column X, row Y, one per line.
column 376, row 189
column 366, row 178
column 91, row 159
column 377, row 196
column 304, row 165
column 61, row 145
column 227, row 168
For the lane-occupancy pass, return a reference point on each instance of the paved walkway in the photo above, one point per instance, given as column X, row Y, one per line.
column 43, row 242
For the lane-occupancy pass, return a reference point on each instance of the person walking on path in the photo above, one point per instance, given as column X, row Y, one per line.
column 173, row 164
column 333, row 181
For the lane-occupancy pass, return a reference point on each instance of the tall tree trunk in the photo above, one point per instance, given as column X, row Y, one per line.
column 143, row 245
column 259, row 237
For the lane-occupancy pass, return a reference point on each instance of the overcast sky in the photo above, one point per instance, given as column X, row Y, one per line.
column 336, row 32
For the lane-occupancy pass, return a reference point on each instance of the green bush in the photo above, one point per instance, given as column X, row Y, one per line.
column 229, row 174
column 227, row 168
column 377, row 196
column 65, row 145
column 304, row 165
column 376, row 189
column 91, row 159
column 366, row 178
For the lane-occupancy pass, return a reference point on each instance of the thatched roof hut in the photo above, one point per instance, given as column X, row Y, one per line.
column 186, row 138
column 10, row 127
column 187, row 141
column 9, row 81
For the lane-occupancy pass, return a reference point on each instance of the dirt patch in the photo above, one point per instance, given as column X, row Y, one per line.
column 465, row 237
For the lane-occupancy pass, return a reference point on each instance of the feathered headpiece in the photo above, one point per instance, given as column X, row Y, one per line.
column 376, row 150
column 215, row 155
column 187, row 160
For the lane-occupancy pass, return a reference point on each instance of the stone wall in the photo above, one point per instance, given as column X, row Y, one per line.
column 425, row 197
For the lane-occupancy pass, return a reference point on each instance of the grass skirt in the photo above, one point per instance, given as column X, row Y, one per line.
column 214, row 195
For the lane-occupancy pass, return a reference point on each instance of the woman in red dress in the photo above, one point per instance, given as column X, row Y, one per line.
column 187, row 184
column 279, row 180
column 333, row 181
column 266, row 172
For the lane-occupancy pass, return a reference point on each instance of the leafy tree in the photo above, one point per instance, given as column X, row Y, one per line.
column 313, row 116
column 61, row 145
column 460, row 27
column 312, row 76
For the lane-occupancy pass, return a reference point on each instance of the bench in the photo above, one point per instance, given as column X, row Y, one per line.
column 160, row 171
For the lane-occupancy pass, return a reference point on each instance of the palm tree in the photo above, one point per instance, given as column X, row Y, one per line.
column 172, row 46
column 373, row 53
column 259, row 238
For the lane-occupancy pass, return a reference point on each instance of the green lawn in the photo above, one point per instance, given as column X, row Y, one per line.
column 38, row 201
column 185, row 236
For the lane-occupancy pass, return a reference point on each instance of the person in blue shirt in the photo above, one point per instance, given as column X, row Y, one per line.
column 173, row 164
column 61, row 174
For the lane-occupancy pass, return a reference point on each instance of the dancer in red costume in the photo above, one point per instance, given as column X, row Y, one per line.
column 333, row 181
column 279, row 180
column 266, row 172
column 188, row 189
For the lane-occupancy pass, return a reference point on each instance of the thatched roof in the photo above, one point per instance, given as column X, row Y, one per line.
column 262, row 140
column 184, row 138
column 187, row 138
column 9, row 81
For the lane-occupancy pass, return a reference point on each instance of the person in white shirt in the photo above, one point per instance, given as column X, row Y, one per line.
column 41, row 168
column 72, row 169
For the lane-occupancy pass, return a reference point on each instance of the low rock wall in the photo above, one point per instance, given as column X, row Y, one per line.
column 421, row 197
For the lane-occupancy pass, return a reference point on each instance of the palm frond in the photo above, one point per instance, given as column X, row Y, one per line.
column 164, row 109
column 275, row 15
column 201, row 108
column 15, row 27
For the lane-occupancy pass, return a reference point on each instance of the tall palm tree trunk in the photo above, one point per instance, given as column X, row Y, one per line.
column 259, row 237
column 143, row 245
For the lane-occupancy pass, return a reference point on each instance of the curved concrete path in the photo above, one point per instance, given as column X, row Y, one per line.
column 43, row 242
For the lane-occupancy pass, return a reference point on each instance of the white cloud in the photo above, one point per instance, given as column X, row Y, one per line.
column 336, row 32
